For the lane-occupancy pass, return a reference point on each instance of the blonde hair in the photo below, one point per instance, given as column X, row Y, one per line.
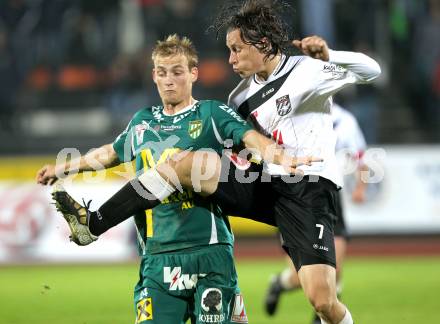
column 173, row 45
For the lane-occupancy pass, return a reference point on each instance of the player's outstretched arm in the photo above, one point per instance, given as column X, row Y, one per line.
column 273, row 153
column 101, row 158
column 364, row 67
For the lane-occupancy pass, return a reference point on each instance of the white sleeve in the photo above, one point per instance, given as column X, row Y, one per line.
column 362, row 66
column 343, row 69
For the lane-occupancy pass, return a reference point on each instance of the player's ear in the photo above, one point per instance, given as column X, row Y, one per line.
column 266, row 43
column 194, row 74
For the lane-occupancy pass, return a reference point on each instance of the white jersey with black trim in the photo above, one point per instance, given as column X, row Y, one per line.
column 349, row 135
column 293, row 105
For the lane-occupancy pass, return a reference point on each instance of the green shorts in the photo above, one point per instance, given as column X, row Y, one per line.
column 198, row 283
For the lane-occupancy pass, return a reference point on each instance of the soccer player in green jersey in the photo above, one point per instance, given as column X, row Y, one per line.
column 187, row 267
column 288, row 98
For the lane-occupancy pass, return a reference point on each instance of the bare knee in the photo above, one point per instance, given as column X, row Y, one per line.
column 322, row 304
column 198, row 170
column 321, row 293
column 177, row 168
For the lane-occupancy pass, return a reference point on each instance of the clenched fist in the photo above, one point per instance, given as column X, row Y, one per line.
column 313, row 46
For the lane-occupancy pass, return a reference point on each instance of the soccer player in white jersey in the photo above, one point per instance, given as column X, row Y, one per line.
column 351, row 144
column 289, row 99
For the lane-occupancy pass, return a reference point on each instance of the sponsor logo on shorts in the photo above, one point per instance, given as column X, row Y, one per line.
column 239, row 311
column 179, row 281
column 211, row 302
column 212, row 318
column 144, row 310
column 320, row 247
column 144, row 293
column 283, row 105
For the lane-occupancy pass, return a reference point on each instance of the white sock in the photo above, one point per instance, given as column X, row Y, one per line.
column 158, row 186
column 285, row 280
column 346, row 320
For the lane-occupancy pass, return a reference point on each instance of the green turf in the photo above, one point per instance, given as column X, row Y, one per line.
column 377, row 291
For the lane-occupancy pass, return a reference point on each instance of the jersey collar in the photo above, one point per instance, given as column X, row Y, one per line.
column 184, row 110
column 274, row 75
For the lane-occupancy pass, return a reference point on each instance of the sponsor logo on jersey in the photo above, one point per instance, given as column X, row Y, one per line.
column 144, row 310
column 268, row 92
column 170, row 128
column 179, row 281
column 157, row 113
column 335, row 70
column 283, row 105
column 139, row 131
column 239, row 311
column 195, row 128
column 231, row 112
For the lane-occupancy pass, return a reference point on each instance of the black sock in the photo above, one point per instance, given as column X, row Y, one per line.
column 121, row 206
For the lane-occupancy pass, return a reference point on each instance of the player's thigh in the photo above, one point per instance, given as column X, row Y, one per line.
column 318, row 282
column 242, row 192
column 197, row 170
column 156, row 306
column 305, row 215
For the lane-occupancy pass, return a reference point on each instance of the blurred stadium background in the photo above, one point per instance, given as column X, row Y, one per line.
column 72, row 73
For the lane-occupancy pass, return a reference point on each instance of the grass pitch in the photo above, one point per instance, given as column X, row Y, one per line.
column 392, row 290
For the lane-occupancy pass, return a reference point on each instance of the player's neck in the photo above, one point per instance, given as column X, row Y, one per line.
column 172, row 109
column 269, row 66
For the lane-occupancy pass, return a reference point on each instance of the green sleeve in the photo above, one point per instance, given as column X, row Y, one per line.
column 228, row 123
column 123, row 144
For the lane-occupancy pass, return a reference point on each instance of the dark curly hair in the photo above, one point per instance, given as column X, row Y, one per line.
column 260, row 23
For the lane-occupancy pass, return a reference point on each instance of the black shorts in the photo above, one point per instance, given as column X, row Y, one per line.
column 238, row 196
column 340, row 228
column 304, row 212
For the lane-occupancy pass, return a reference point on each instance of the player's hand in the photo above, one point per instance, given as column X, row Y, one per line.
column 46, row 175
column 313, row 46
column 291, row 164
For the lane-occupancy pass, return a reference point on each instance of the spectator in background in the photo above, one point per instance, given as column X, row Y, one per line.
column 363, row 102
column 425, row 94
column 8, row 82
